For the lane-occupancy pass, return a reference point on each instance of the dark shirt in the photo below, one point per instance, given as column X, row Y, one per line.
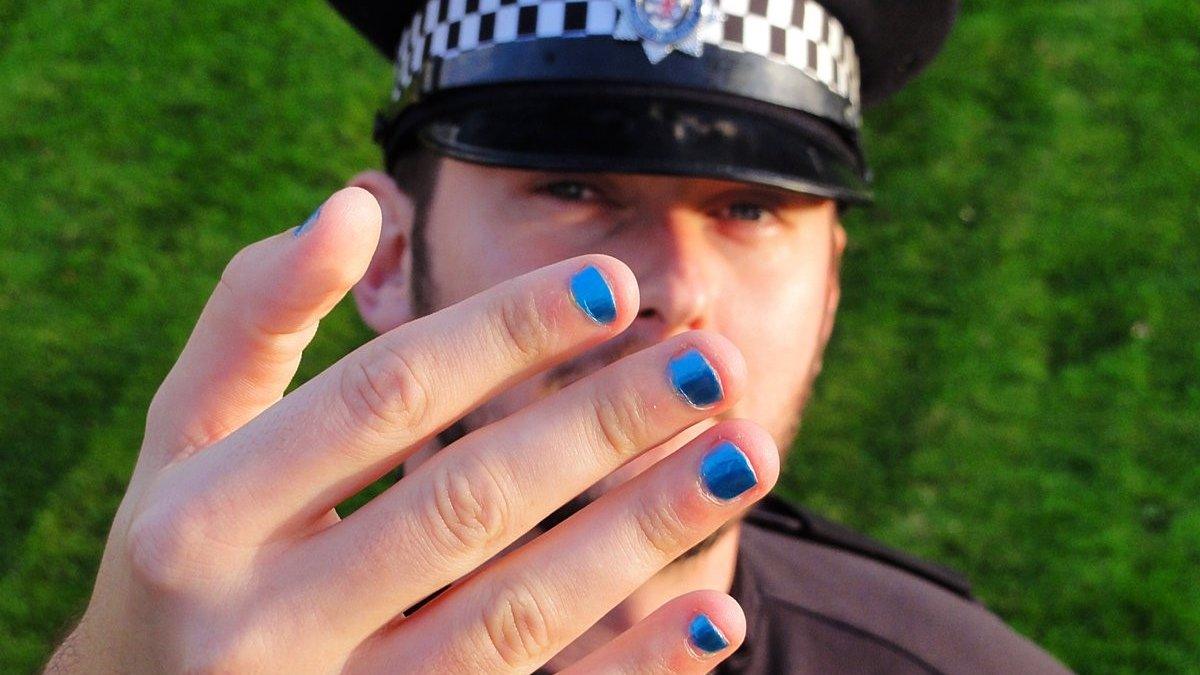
column 820, row 598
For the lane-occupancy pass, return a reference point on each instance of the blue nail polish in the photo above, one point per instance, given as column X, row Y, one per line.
column 694, row 379
column 306, row 225
column 593, row 295
column 726, row 472
column 705, row 635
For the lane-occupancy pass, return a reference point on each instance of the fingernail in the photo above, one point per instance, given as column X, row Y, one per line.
column 593, row 295
column 705, row 635
column 694, row 379
column 726, row 472
column 307, row 225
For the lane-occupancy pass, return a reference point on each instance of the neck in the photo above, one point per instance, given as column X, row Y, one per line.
column 712, row 568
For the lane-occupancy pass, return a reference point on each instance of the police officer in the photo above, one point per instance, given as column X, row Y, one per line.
column 585, row 436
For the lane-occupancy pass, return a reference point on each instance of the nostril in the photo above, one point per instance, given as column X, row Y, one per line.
column 646, row 314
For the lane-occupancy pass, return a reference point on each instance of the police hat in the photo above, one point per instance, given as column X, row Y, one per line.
column 762, row 91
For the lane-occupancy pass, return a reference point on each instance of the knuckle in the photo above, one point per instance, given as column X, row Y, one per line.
column 233, row 281
column 661, row 530
column 159, row 410
column 162, row 547
column 620, row 420
column 385, row 392
column 519, row 626
column 149, row 552
column 525, row 325
column 469, row 509
column 235, row 267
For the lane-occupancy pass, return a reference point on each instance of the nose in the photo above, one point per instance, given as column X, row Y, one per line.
column 677, row 270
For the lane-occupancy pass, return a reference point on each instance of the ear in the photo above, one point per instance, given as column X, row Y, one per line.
column 833, row 294
column 835, row 274
column 384, row 294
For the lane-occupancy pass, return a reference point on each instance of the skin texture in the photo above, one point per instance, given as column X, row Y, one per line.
column 758, row 265
column 227, row 553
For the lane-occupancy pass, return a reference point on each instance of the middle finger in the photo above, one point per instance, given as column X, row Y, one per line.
column 483, row 492
column 348, row 426
column 518, row 613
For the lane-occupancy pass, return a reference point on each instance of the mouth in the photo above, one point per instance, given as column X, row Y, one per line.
column 565, row 374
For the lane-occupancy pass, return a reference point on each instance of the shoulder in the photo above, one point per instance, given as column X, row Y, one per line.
column 808, row 569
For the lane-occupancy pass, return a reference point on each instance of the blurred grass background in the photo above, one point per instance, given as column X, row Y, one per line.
column 1013, row 388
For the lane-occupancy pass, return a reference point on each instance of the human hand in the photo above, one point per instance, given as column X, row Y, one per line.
column 227, row 553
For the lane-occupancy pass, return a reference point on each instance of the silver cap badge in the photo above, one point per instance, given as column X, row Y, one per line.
column 665, row 25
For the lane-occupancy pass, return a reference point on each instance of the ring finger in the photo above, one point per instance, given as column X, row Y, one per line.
column 521, row 611
column 482, row 493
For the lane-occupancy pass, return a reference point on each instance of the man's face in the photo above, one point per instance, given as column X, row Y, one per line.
column 756, row 264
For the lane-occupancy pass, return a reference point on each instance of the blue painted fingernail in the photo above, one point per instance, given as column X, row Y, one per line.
column 593, row 295
column 726, row 472
column 694, row 379
column 705, row 635
column 307, row 225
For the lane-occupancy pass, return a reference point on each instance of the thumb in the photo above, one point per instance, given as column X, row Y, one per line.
column 247, row 344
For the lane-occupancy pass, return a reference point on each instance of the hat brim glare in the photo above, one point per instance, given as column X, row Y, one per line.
column 572, row 129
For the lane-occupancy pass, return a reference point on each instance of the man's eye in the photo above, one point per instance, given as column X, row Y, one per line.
column 571, row 190
column 745, row 211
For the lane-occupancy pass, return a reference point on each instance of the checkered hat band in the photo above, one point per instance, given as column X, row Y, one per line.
column 796, row 33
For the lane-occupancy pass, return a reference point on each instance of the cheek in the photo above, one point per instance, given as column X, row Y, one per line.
column 470, row 251
column 776, row 322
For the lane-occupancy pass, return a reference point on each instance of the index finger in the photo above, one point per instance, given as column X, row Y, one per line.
column 354, row 422
column 247, row 343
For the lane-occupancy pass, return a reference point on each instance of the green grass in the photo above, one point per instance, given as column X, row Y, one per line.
column 1013, row 388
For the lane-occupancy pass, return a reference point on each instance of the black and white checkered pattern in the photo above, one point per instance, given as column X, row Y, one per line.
column 797, row 33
